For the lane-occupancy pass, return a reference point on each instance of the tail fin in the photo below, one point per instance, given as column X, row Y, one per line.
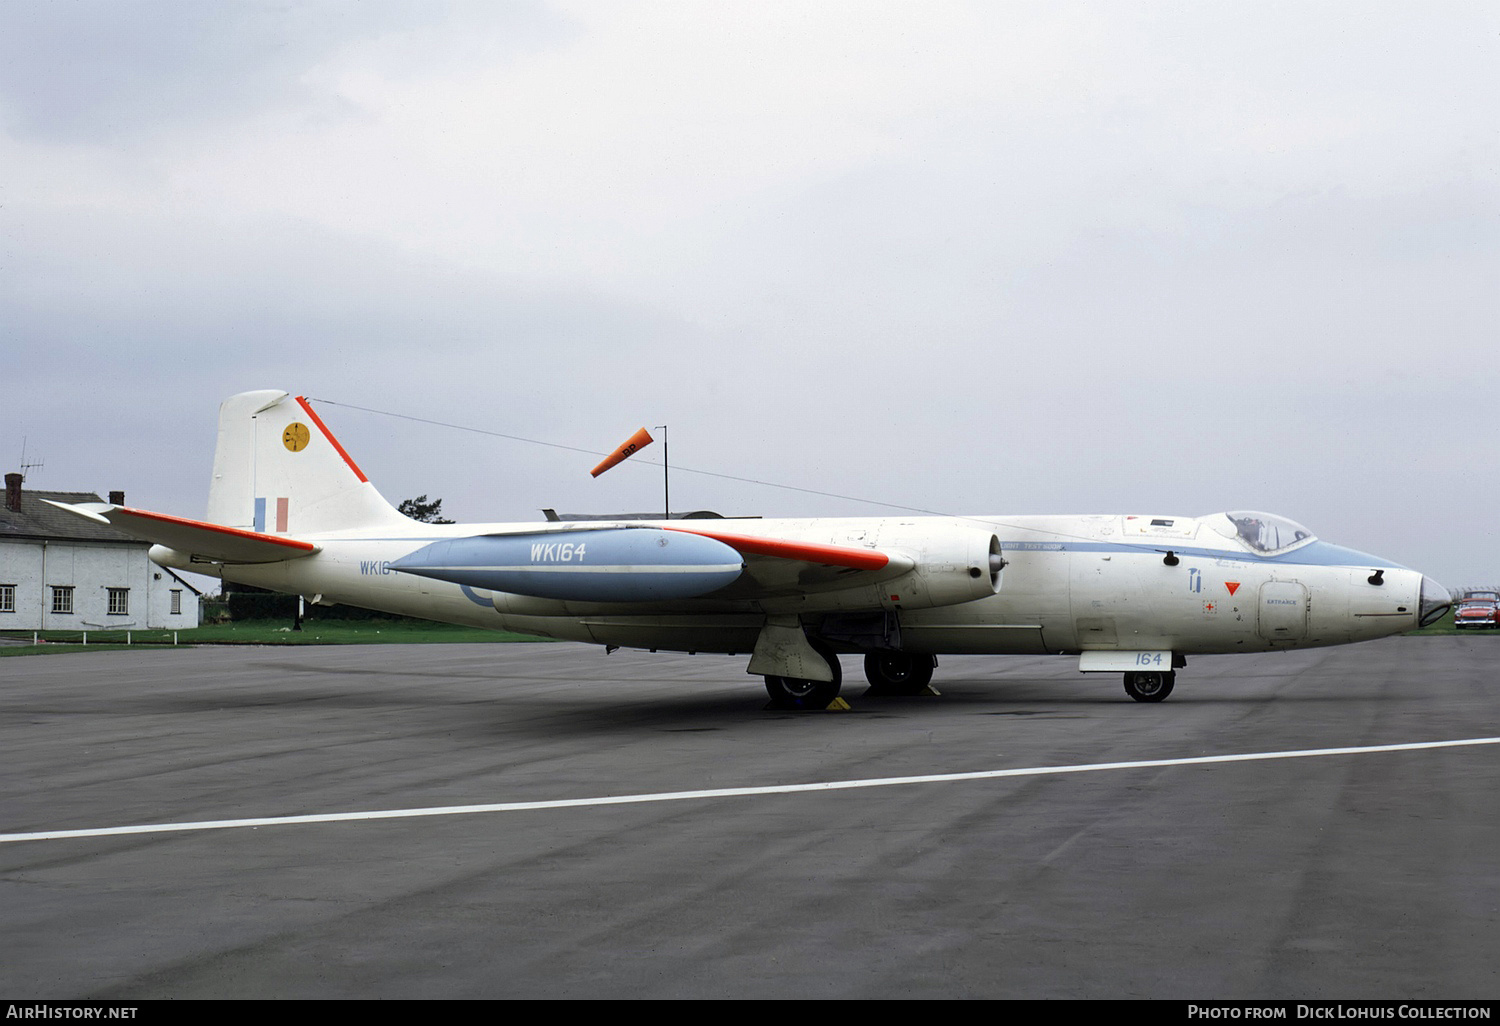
column 279, row 470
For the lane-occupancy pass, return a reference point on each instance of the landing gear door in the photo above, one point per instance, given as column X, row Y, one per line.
column 1283, row 611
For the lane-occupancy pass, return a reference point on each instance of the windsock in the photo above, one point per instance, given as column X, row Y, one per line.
column 637, row 441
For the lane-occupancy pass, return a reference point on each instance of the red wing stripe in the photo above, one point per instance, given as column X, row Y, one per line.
column 233, row 532
column 333, row 441
column 830, row 555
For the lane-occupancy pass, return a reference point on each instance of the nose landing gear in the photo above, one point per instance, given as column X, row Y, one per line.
column 1149, row 687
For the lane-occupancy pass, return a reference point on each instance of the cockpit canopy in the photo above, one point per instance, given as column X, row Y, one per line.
column 1264, row 533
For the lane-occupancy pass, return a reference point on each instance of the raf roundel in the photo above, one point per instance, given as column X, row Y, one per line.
column 295, row 437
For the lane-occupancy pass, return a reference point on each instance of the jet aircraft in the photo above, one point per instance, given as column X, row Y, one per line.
column 289, row 509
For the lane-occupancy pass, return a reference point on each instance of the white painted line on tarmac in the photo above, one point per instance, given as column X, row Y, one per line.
column 728, row 792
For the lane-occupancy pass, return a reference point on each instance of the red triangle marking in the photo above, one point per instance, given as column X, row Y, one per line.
column 1233, row 586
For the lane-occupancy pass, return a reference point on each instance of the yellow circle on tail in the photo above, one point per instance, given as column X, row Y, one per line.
column 295, row 437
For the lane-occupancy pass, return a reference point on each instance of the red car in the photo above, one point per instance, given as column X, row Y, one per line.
column 1477, row 613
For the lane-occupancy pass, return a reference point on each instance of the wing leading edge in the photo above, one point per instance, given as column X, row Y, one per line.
column 777, row 567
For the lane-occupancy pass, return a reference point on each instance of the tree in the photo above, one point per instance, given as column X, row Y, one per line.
column 420, row 509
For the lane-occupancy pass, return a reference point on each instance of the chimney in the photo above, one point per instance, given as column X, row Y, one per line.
column 117, row 498
column 13, row 492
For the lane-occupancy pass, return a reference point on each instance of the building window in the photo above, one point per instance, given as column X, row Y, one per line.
column 119, row 601
column 7, row 598
column 62, row 598
column 176, row 601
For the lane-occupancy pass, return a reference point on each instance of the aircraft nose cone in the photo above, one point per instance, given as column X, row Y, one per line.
column 1435, row 602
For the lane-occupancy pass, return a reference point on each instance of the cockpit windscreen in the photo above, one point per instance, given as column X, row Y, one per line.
column 1267, row 533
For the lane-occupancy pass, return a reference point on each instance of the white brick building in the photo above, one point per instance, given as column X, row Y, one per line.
column 60, row 572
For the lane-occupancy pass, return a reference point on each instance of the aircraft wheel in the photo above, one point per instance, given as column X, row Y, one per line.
column 1149, row 687
column 898, row 673
column 796, row 693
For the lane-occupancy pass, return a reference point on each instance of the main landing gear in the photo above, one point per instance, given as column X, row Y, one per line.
column 889, row 673
column 1149, row 687
column 898, row 673
column 797, row 693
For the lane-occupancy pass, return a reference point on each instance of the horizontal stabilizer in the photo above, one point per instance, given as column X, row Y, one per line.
column 212, row 542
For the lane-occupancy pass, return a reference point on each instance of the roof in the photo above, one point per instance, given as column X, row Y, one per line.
column 39, row 520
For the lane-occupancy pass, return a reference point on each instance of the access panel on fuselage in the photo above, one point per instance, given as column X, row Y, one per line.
column 1282, row 614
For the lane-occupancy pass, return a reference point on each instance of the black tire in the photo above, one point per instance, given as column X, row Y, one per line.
column 1149, row 687
column 898, row 673
column 796, row 693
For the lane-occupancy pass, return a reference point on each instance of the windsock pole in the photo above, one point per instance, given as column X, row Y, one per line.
column 666, row 476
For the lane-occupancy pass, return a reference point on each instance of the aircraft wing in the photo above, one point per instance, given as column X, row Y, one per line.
column 773, row 566
column 213, row 542
column 621, row 563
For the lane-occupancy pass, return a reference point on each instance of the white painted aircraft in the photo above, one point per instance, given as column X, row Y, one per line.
column 290, row 510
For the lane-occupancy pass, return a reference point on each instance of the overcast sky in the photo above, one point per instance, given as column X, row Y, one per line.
column 969, row 257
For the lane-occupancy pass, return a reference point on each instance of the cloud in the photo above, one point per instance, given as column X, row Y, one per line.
column 104, row 72
column 963, row 256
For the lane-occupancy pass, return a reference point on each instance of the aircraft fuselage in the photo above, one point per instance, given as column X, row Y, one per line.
column 1070, row 584
column 289, row 509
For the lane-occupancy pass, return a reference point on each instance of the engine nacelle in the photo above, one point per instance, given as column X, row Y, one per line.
column 953, row 564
